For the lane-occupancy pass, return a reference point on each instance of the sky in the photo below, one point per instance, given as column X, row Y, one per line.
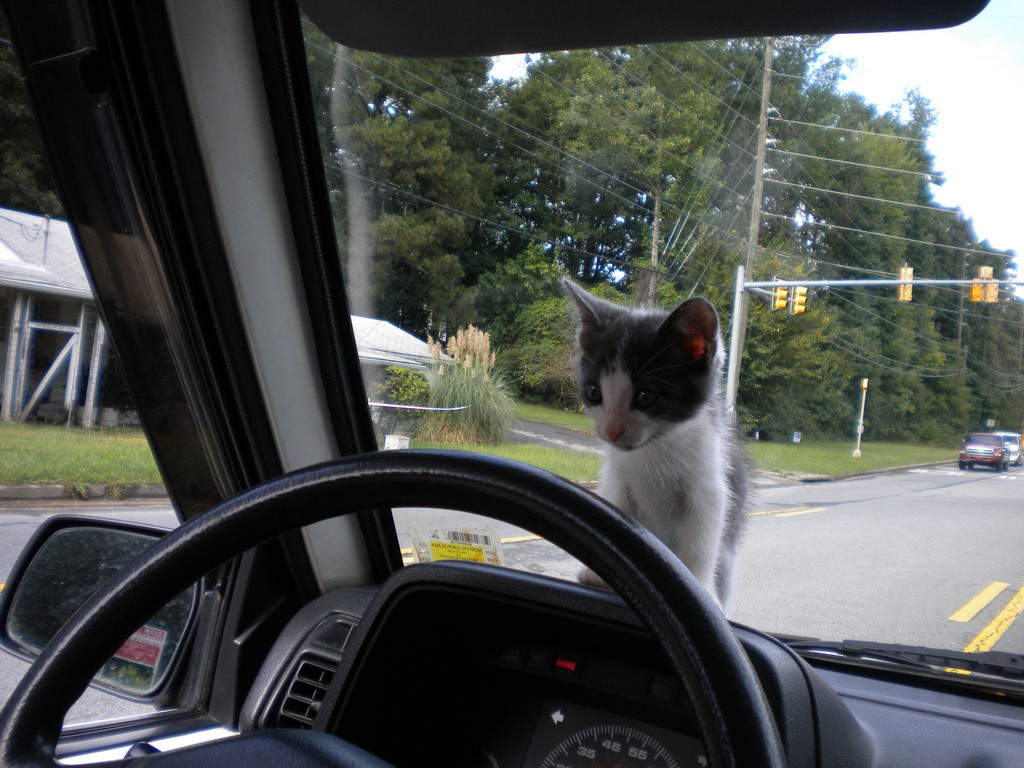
column 973, row 76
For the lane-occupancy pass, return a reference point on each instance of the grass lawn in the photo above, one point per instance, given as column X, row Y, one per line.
column 578, row 467
column 835, row 459
column 46, row 454
column 829, row 458
column 556, row 416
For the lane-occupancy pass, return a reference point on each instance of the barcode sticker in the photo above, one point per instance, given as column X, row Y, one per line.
column 468, row 537
column 480, row 546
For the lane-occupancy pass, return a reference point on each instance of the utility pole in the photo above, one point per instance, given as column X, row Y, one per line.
column 741, row 307
column 860, row 418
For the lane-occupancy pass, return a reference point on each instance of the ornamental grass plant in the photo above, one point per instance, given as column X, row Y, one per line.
column 468, row 382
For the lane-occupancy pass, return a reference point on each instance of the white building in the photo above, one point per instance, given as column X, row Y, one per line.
column 53, row 347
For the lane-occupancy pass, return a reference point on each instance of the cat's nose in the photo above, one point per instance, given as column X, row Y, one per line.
column 614, row 432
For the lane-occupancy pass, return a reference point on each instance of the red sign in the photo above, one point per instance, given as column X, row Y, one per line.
column 144, row 646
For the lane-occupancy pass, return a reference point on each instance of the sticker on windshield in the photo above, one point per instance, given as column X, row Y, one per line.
column 480, row 546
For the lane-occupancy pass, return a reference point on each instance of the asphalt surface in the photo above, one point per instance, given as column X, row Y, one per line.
column 560, row 437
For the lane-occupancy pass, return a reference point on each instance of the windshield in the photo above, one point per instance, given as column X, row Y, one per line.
column 835, row 200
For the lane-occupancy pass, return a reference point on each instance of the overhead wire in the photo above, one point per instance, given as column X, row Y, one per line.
column 603, row 190
column 828, row 225
column 852, row 130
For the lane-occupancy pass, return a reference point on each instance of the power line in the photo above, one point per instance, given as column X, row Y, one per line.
column 827, row 225
column 730, row 75
column 848, row 130
column 704, row 88
column 929, row 176
column 604, row 190
column 904, row 204
column 686, row 161
column 925, row 372
column 846, row 214
column 665, row 98
column 504, row 227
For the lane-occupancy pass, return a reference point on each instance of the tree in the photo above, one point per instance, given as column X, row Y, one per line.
column 417, row 178
column 25, row 182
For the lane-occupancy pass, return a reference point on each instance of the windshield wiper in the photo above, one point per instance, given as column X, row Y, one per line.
column 990, row 664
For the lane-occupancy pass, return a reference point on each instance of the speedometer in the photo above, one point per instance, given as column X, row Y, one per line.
column 614, row 746
column 569, row 735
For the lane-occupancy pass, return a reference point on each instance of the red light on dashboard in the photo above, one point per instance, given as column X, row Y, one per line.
column 567, row 664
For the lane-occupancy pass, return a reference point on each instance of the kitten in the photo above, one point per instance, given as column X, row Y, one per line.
column 651, row 380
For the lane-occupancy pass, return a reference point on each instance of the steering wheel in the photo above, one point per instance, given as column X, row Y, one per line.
column 730, row 707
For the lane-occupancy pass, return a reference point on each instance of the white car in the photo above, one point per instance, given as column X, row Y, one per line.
column 1012, row 441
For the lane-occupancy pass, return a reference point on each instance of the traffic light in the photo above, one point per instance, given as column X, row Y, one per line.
column 906, row 291
column 799, row 300
column 992, row 290
column 984, row 292
column 780, row 295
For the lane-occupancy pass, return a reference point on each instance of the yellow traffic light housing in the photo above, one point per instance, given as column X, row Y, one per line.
column 799, row 300
column 780, row 296
column 992, row 289
column 984, row 292
column 906, row 292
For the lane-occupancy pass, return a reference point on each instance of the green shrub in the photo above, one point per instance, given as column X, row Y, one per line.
column 402, row 387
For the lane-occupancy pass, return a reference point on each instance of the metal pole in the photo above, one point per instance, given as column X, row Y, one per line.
column 732, row 375
column 762, row 142
column 741, row 303
column 879, row 281
column 860, row 419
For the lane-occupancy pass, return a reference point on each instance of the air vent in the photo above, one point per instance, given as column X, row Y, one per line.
column 306, row 691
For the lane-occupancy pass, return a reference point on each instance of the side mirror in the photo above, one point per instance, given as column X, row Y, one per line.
column 65, row 563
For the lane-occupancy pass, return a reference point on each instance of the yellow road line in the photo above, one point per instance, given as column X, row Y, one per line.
column 804, row 511
column 798, row 509
column 518, row 539
column 979, row 601
column 990, row 635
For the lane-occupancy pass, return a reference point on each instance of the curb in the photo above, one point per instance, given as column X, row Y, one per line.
column 809, row 478
column 104, row 492
column 92, row 492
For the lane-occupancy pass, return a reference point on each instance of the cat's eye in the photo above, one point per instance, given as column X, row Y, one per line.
column 592, row 394
column 645, row 399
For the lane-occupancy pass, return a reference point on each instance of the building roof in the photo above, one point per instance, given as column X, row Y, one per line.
column 382, row 343
column 39, row 254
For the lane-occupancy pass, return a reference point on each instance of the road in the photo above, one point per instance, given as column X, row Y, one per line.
column 889, row 558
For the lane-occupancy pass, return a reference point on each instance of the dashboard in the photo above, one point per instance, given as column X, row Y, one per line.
column 474, row 673
column 471, row 666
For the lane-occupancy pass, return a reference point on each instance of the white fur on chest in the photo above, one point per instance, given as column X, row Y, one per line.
column 675, row 486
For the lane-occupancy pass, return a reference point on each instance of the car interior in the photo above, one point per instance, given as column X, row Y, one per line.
column 184, row 140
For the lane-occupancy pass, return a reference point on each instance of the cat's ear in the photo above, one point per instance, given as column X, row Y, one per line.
column 694, row 326
column 593, row 312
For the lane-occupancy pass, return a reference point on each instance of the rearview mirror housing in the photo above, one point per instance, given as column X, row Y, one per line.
column 64, row 564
